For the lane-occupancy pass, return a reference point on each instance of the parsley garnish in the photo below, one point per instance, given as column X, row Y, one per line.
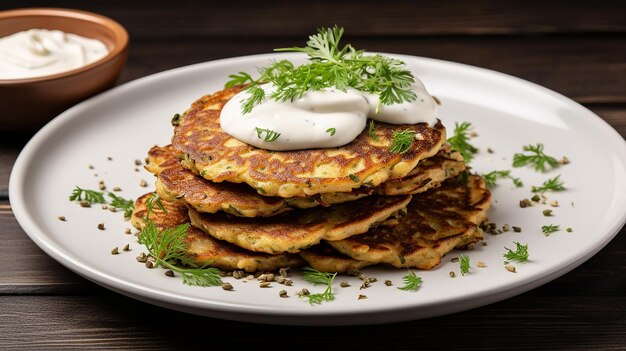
column 550, row 228
column 151, row 201
column 123, row 204
column 316, row 277
column 401, row 141
column 91, row 196
column 537, row 158
column 331, row 131
column 329, row 66
column 168, row 248
column 411, row 282
column 373, row 131
column 520, row 254
column 270, row 135
column 460, row 141
column 97, row 197
column 492, row 177
column 464, row 264
column 354, row 178
column 552, row 184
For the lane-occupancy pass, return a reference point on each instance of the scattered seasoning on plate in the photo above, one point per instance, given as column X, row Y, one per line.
column 344, row 284
column 388, row 282
column 517, row 229
column 264, row 284
column 101, row 226
column 362, row 297
column 452, row 274
column 547, row 213
column 283, row 293
column 127, row 231
column 126, row 247
column 569, row 230
column 481, row 264
column 227, row 286
column 117, row 188
column 110, row 158
column 61, row 218
column 169, row 273
column 114, row 251
column 510, row 268
column 143, row 183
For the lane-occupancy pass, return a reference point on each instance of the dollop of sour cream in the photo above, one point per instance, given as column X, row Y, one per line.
column 319, row 119
column 42, row 52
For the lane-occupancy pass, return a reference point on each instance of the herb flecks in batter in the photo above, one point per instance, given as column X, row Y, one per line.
column 332, row 67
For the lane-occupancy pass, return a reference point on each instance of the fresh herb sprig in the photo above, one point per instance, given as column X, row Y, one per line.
column 270, row 135
column 464, row 264
column 316, row 277
column 169, row 249
column 154, row 199
column 536, row 158
column 491, row 178
column 411, row 282
column 91, row 196
column 401, row 141
column 331, row 131
column 549, row 229
column 552, row 184
column 330, row 66
column 460, row 141
column 372, row 131
column 122, row 204
column 520, row 254
column 97, row 197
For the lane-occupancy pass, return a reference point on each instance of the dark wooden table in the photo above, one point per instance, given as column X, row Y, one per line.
column 575, row 48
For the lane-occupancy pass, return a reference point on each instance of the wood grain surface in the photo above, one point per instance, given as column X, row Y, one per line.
column 573, row 47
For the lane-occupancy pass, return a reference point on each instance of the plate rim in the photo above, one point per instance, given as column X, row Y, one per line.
column 371, row 314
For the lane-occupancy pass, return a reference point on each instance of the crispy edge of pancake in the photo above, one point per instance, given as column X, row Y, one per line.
column 385, row 245
column 324, row 258
column 176, row 183
column 297, row 230
column 205, row 249
column 200, row 140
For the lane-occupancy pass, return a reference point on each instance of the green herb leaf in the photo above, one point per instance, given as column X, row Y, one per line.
column 537, row 158
column 330, row 67
column 316, row 277
column 270, row 135
column 401, row 141
column 154, row 199
column 552, row 184
column 492, row 177
column 238, row 79
column 331, row 131
column 122, row 204
column 520, row 254
column 460, row 141
column 168, row 248
column 550, row 228
column 411, row 282
column 373, row 131
column 464, row 264
column 91, row 196
column 354, row 178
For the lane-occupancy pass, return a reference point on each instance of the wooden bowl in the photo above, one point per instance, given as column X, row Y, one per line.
column 27, row 104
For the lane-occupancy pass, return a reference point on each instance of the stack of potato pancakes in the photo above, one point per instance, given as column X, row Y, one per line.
column 336, row 210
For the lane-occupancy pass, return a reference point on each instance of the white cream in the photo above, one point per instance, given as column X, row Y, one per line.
column 320, row 119
column 42, row 52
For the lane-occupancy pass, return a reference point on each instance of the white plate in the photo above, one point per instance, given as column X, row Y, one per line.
column 506, row 112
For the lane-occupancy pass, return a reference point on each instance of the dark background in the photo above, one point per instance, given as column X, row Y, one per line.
column 575, row 48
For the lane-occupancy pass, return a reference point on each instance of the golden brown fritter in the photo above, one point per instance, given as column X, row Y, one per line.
column 205, row 249
column 297, row 230
column 218, row 157
column 176, row 183
column 435, row 223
